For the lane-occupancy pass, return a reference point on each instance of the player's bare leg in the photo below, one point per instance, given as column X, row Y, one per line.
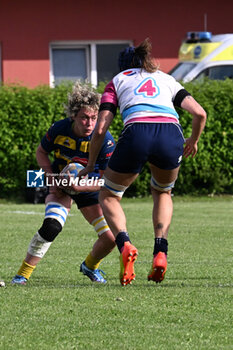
column 103, row 245
column 114, row 214
column 106, row 241
column 39, row 245
column 163, row 181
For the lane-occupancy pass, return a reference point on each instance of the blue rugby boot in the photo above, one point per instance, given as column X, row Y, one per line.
column 18, row 279
column 94, row 275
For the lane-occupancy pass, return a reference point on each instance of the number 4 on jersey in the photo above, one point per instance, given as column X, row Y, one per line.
column 147, row 88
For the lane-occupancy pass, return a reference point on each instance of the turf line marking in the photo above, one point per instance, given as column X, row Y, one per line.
column 26, row 212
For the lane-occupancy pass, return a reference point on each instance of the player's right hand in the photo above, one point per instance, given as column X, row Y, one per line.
column 86, row 170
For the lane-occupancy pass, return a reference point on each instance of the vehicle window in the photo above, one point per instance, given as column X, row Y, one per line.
column 181, row 69
column 202, row 75
column 221, row 72
column 217, row 73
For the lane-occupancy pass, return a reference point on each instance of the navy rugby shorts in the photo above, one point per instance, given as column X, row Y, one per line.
column 159, row 143
column 86, row 199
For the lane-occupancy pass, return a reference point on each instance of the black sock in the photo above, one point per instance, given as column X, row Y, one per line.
column 161, row 245
column 121, row 238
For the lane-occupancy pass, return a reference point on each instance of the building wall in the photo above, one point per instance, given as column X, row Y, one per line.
column 27, row 28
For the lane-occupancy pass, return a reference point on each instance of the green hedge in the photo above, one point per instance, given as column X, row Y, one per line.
column 26, row 114
column 211, row 170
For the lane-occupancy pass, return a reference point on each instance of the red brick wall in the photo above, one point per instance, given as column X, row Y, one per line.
column 27, row 28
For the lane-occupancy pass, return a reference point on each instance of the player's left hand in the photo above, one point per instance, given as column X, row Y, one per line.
column 190, row 148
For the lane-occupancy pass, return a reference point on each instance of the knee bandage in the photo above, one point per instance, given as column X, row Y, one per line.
column 56, row 211
column 55, row 217
column 50, row 229
column 117, row 190
column 100, row 225
column 38, row 246
column 161, row 187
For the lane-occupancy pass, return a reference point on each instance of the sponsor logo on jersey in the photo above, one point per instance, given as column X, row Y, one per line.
column 48, row 137
column 110, row 143
column 80, row 160
column 84, row 147
column 108, row 155
column 65, row 141
column 129, row 72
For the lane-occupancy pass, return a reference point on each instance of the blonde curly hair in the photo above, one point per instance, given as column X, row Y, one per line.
column 82, row 96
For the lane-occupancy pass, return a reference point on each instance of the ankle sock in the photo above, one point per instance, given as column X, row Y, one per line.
column 91, row 262
column 121, row 238
column 26, row 270
column 161, row 245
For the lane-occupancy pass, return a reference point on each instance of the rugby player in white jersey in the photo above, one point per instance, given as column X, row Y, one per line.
column 152, row 133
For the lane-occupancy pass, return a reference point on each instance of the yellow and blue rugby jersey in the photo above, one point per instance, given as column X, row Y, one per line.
column 69, row 148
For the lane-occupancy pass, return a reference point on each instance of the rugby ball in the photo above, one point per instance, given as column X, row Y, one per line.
column 71, row 170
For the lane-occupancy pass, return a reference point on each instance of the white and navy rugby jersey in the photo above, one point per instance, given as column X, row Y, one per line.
column 143, row 97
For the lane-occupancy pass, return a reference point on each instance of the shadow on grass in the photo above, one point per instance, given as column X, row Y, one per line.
column 189, row 282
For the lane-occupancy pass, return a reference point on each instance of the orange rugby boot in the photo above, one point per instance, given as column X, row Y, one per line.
column 159, row 268
column 128, row 257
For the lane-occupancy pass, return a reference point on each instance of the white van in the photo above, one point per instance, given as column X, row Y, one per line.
column 205, row 55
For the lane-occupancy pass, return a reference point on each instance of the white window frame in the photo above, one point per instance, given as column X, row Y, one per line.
column 66, row 45
column 91, row 55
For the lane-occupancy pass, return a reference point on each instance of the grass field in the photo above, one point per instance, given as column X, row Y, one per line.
column 59, row 308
